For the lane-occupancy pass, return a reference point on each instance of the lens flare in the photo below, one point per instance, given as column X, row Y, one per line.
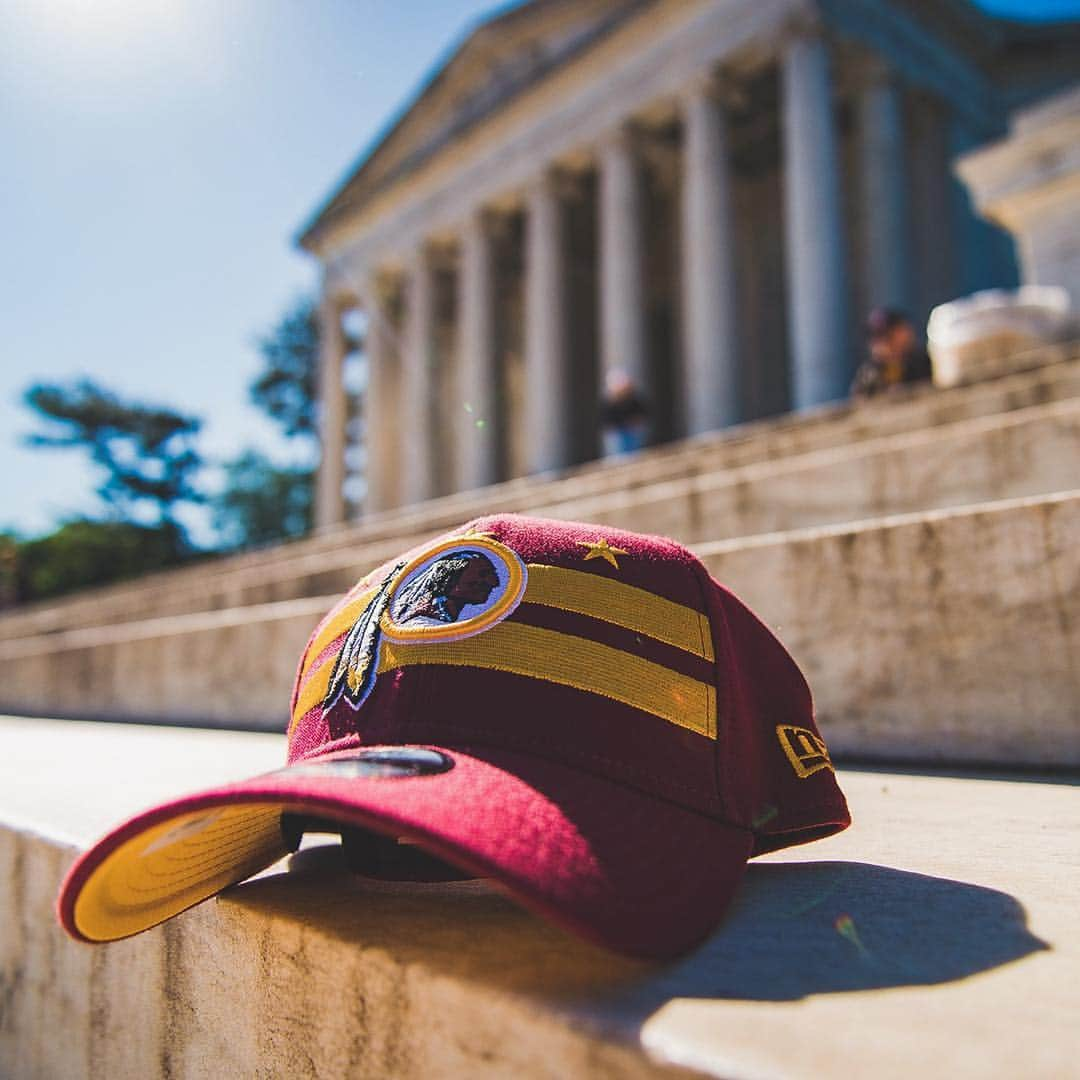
column 845, row 927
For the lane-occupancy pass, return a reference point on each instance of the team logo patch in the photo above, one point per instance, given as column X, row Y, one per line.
column 805, row 750
column 451, row 591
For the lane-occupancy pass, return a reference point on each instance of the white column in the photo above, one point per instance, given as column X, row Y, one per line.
column 380, row 403
column 816, row 274
column 884, row 183
column 549, row 443
column 329, row 487
column 478, row 457
column 418, row 417
column 710, row 329
column 622, row 293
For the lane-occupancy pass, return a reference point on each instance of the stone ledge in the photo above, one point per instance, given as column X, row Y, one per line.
column 875, row 952
column 1027, row 452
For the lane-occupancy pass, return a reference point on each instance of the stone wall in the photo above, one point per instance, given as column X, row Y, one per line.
column 949, row 636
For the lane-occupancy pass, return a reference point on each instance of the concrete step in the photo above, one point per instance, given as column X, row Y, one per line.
column 1029, row 451
column 945, row 636
column 919, row 942
column 687, row 489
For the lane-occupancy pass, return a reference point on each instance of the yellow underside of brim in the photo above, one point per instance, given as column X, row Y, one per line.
column 172, row 865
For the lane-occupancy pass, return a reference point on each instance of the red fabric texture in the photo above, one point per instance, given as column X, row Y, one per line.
column 465, row 707
column 653, row 563
column 765, row 689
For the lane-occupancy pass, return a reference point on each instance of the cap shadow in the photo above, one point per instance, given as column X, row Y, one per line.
column 794, row 930
column 803, row 928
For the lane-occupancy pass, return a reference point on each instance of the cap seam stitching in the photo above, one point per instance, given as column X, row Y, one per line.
column 723, row 686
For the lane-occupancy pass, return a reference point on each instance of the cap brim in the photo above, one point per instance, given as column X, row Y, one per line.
column 621, row 868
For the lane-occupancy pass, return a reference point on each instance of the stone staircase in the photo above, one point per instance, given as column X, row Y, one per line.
column 332, row 560
column 917, row 555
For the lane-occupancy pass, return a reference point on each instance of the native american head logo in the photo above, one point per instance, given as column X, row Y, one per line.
column 453, row 590
column 446, row 587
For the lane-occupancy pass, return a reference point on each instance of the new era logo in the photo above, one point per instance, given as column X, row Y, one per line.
column 805, row 750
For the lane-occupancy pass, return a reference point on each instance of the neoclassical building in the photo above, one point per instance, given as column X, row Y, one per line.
column 705, row 194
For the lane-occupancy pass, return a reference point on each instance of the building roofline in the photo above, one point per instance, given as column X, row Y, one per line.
column 960, row 17
column 428, row 81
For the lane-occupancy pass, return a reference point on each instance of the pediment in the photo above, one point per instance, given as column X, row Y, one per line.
column 496, row 61
column 514, row 50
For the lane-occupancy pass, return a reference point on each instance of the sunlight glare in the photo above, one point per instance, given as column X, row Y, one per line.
column 100, row 29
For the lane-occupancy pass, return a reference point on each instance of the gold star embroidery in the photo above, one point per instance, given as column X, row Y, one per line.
column 601, row 549
column 474, row 534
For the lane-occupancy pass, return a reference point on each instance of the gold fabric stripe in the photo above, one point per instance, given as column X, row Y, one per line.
column 624, row 605
column 570, row 661
column 341, row 623
column 314, row 690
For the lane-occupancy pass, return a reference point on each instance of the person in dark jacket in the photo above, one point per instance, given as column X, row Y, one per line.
column 625, row 414
column 897, row 356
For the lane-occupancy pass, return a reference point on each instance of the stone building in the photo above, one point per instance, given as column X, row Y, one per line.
column 706, row 194
column 1029, row 182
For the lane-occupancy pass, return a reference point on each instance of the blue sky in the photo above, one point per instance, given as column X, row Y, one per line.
column 158, row 159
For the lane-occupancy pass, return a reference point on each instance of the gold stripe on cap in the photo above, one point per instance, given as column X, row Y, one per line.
column 624, row 605
column 570, row 661
column 314, row 690
column 340, row 623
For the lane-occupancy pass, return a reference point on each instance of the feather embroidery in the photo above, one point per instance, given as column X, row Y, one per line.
column 358, row 662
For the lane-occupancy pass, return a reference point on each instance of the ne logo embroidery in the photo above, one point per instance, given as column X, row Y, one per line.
column 805, row 750
column 451, row 591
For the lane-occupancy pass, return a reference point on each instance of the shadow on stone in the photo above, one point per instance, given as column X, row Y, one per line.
column 795, row 929
column 798, row 929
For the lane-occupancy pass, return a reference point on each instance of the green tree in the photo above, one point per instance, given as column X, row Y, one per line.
column 146, row 453
column 83, row 552
column 9, row 562
column 285, row 388
column 262, row 502
column 148, row 463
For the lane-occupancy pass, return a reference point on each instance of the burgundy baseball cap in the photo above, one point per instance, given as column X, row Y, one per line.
column 581, row 714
